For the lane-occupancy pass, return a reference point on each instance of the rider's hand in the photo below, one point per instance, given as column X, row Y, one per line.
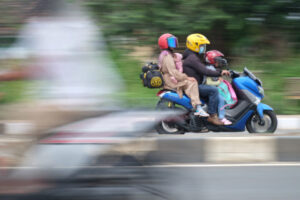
column 225, row 73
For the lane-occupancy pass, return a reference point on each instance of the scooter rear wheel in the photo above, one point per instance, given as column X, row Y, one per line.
column 268, row 126
column 167, row 127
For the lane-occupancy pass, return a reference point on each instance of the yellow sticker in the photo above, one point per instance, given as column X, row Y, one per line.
column 156, row 82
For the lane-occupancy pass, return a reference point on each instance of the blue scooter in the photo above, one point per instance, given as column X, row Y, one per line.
column 248, row 113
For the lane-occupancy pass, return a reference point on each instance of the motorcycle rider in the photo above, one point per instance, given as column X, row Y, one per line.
column 173, row 78
column 194, row 66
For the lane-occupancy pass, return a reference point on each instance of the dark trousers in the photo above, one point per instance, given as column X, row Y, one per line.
column 210, row 94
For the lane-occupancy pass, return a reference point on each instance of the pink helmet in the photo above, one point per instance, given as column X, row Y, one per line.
column 164, row 41
column 211, row 55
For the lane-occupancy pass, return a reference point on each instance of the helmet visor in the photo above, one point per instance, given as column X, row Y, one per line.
column 172, row 42
column 202, row 48
column 220, row 62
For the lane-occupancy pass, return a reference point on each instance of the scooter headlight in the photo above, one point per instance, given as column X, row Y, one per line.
column 261, row 90
column 257, row 100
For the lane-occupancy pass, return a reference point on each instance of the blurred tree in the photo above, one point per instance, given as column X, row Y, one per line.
column 257, row 27
column 234, row 26
column 261, row 25
column 153, row 17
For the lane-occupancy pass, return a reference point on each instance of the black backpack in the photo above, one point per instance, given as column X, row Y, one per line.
column 151, row 76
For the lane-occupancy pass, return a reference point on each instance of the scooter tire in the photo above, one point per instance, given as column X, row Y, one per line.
column 162, row 127
column 270, row 114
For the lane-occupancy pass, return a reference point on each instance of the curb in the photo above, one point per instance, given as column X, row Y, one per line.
column 288, row 122
column 285, row 122
column 215, row 149
column 16, row 127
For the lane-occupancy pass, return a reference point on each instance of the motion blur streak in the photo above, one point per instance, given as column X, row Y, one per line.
column 67, row 51
column 64, row 55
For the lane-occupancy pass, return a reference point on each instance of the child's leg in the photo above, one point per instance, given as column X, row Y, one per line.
column 220, row 106
column 221, row 110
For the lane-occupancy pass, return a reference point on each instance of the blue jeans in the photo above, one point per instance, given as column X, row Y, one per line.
column 220, row 105
column 211, row 95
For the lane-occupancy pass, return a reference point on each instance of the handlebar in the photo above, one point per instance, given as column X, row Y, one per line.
column 234, row 74
column 246, row 72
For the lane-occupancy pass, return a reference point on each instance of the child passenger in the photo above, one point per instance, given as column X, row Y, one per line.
column 215, row 60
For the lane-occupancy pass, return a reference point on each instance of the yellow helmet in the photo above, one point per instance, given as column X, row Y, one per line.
column 195, row 40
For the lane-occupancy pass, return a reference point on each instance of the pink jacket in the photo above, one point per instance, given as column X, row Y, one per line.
column 177, row 59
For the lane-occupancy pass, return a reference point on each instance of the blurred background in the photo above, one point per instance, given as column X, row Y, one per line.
column 262, row 35
column 67, row 60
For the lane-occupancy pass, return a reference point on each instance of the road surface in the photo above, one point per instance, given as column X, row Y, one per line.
column 231, row 182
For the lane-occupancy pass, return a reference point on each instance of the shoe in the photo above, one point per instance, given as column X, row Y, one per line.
column 213, row 118
column 199, row 111
column 226, row 121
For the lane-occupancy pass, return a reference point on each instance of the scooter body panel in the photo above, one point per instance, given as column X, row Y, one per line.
column 241, row 124
column 248, row 90
column 260, row 109
column 174, row 97
column 246, row 83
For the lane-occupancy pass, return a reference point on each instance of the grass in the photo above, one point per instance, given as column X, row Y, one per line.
column 135, row 95
column 272, row 74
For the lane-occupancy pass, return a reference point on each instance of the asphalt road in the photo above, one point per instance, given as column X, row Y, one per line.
column 230, row 182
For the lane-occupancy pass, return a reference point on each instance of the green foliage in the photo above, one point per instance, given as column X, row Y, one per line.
column 234, row 25
column 135, row 95
column 272, row 74
column 151, row 18
column 262, row 34
column 12, row 91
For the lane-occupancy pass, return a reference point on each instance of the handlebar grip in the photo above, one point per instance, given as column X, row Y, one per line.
column 234, row 74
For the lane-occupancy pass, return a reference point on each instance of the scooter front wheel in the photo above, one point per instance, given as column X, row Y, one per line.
column 268, row 125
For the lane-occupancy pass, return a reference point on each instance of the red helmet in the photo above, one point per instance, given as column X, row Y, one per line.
column 211, row 55
column 167, row 40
